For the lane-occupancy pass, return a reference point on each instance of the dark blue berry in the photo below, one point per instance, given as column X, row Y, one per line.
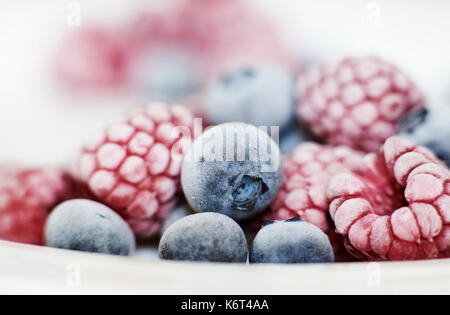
column 89, row 226
column 209, row 237
column 234, row 169
column 291, row 241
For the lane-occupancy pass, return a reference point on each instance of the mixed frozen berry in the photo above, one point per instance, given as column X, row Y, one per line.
column 396, row 206
column 260, row 95
column 89, row 226
column 234, row 169
column 211, row 237
column 363, row 193
column 134, row 166
column 291, row 241
column 358, row 102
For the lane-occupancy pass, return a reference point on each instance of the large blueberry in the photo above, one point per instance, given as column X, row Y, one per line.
column 260, row 95
column 292, row 241
column 234, row 169
column 89, row 226
column 430, row 127
column 209, row 237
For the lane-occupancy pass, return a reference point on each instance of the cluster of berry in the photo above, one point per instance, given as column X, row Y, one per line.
column 350, row 184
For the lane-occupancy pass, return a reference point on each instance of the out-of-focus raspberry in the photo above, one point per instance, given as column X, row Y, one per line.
column 93, row 58
column 307, row 172
column 221, row 34
column 396, row 206
column 134, row 166
column 26, row 198
column 358, row 102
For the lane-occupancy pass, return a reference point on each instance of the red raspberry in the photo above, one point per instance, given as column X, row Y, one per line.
column 93, row 58
column 307, row 172
column 134, row 166
column 357, row 102
column 26, row 198
column 396, row 206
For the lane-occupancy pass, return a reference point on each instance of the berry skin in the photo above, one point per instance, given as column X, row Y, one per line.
column 89, row 226
column 181, row 210
column 396, row 206
column 225, row 172
column 259, row 95
column 292, row 241
column 209, row 237
column 26, row 198
column 307, row 172
column 93, row 58
column 134, row 166
column 358, row 102
column 431, row 129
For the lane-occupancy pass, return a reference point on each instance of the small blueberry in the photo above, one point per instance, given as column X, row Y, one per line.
column 291, row 241
column 89, row 226
column 209, row 237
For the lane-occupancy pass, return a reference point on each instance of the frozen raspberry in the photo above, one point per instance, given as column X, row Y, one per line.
column 396, row 206
column 92, row 58
column 358, row 102
column 134, row 166
column 307, row 172
column 26, row 198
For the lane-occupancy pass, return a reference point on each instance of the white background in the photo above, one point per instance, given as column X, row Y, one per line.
column 40, row 124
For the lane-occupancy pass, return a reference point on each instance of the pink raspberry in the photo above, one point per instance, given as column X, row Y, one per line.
column 221, row 33
column 93, row 58
column 307, row 172
column 358, row 102
column 396, row 206
column 26, row 198
column 134, row 166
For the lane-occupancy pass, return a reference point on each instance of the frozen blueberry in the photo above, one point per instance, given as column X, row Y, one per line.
column 292, row 241
column 259, row 95
column 234, row 169
column 89, row 226
column 204, row 237
column 430, row 128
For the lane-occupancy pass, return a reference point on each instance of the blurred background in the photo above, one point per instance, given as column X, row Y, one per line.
column 47, row 111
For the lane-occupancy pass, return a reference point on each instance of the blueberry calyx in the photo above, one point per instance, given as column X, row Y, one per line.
column 412, row 121
column 246, row 192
